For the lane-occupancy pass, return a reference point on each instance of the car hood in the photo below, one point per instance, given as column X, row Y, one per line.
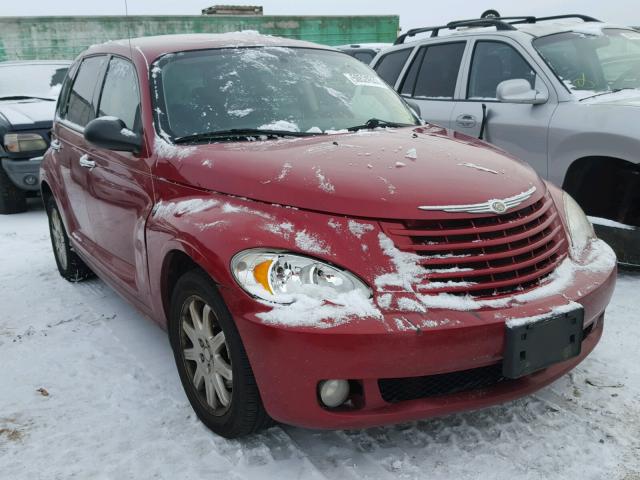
column 385, row 173
column 28, row 113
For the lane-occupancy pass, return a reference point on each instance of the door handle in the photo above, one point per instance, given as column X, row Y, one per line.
column 56, row 145
column 86, row 162
column 466, row 120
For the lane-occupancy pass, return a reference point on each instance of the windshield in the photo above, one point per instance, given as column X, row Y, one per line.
column 37, row 80
column 593, row 61
column 271, row 89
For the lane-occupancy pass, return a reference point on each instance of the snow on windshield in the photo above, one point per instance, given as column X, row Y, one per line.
column 270, row 88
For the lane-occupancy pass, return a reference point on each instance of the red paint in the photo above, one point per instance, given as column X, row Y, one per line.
column 107, row 212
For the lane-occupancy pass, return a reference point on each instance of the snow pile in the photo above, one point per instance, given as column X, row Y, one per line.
column 359, row 229
column 183, row 207
column 164, row 149
column 519, row 322
column 390, row 186
column 240, row 113
column 605, row 222
column 477, row 167
column 282, row 125
column 312, row 310
column 323, row 182
column 286, row 168
column 230, row 208
column 282, row 229
column 411, row 154
column 406, row 304
column 207, row 226
column 307, row 242
column 407, row 265
column 207, row 163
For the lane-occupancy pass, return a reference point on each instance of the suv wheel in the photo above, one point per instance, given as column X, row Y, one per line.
column 211, row 359
column 70, row 265
column 12, row 199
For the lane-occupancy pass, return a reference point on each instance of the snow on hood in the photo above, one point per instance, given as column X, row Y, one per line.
column 386, row 173
column 27, row 113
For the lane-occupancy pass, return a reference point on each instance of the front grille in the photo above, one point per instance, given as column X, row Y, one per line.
column 400, row 389
column 485, row 255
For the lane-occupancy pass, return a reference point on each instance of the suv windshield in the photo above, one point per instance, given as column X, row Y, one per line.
column 274, row 89
column 594, row 61
column 31, row 80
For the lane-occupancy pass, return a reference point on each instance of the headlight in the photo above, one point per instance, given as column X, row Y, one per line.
column 24, row 142
column 580, row 229
column 280, row 276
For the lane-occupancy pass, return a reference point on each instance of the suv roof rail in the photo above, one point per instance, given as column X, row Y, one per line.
column 501, row 23
column 477, row 22
column 584, row 18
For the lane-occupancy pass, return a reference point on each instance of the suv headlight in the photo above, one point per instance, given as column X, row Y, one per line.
column 280, row 276
column 24, row 142
column 579, row 226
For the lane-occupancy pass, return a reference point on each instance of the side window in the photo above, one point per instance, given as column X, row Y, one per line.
column 63, row 98
column 120, row 97
column 434, row 71
column 391, row 64
column 80, row 108
column 494, row 62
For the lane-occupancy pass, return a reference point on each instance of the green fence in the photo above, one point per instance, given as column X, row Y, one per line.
column 65, row 37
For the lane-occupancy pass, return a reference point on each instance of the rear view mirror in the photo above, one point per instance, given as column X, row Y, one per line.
column 111, row 133
column 518, row 90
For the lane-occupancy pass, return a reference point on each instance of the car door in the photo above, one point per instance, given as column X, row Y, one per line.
column 431, row 79
column 520, row 129
column 77, row 108
column 119, row 191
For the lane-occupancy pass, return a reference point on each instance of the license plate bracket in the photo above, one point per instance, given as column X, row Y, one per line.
column 537, row 344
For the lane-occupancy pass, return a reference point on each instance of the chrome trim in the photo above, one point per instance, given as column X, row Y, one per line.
column 490, row 206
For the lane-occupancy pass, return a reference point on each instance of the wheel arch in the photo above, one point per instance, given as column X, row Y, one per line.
column 605, row 186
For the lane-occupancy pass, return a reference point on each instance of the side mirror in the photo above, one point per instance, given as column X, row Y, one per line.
column 414, row 106
column 518, row 90
column 111, row 133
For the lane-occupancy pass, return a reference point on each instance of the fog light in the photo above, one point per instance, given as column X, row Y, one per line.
column 30, row 180
column 334, row 393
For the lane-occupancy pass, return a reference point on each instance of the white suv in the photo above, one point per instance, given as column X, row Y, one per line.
column 561, row 93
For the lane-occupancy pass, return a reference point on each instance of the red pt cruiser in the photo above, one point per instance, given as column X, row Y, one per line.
column 318, row 256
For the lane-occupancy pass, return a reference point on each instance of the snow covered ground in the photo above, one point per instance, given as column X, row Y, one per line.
column 115, row 408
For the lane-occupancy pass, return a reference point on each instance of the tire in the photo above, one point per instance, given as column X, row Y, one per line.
column 70, row 265
column 212, row 345
column 12, row 199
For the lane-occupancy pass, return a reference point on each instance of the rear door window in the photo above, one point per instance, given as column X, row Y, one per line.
column 80, row 108
column 120, row 97
column 391, row 64
column 495, row 62
column 433, row 74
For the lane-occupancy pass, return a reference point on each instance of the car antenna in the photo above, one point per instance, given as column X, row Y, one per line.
column 126, row 14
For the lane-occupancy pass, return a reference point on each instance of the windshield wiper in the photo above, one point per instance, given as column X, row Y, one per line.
column 236, row 133
column 375, row 123
column 615, row 90
column 26, row 97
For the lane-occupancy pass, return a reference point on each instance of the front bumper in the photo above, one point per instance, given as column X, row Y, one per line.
column 24, row 174
column 288, row 363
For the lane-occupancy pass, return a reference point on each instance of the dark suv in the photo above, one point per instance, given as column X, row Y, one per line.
column 28, row 94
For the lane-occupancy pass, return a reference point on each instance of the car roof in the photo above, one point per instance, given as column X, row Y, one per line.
column 154, row 46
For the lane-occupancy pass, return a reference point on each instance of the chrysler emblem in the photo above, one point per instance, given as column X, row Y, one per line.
column 498, row 206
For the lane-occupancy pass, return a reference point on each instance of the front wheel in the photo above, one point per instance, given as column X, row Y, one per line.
column 211, row 359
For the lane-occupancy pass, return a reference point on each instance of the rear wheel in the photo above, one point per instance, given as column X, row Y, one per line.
column 70, row 265
column 211, row 359
column 12, row 198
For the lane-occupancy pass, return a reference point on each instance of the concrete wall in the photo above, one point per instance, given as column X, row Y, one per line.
column 65, row 37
